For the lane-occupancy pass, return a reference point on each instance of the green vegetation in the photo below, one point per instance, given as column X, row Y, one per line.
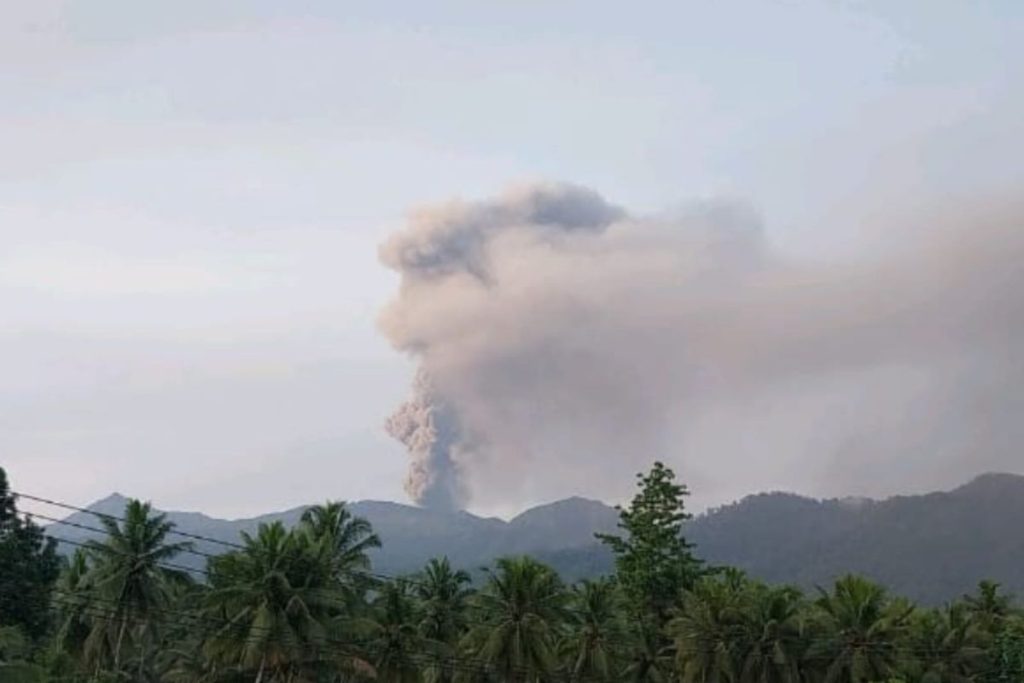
column 302, row 605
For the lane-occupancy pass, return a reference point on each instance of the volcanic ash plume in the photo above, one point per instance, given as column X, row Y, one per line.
column 428, row 428
column 564, row 344
column 450, row 244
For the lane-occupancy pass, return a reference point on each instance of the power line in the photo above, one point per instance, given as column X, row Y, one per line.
column 176, row 567
column 162, row 564
column 75, row 508
column 197, row 537
column 379, row 576
column 86, row 527
column 879, row 646
column 376, row 576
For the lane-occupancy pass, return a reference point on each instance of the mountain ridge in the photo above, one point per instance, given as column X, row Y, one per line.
column 931, row 547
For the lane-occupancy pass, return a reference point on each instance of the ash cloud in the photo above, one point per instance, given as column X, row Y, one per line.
column 564, row 343
column 428, row 426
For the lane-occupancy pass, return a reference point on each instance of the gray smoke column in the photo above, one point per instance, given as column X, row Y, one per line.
column 429, row 429
column 563, row 344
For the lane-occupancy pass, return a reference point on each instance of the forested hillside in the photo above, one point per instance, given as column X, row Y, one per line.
column 932, row 548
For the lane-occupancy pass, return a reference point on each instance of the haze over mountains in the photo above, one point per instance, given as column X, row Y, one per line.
column 930, row 547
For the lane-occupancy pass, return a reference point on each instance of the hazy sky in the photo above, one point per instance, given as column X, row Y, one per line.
column 192, row 194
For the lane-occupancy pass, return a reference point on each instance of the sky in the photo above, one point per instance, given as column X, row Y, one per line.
column 192, row 196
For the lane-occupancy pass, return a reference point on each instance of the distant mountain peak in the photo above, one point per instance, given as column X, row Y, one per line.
column 115, row 499
column 574, row 506
column 993, row 482
column 996, row 477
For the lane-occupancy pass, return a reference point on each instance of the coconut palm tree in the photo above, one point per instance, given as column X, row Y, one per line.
column 518, row 615
column 948, row 646
column 277, row 616
column 592, row 645
column 773, row 636
column 989, row 608
column 707, row 629
column 646, row 659
column 396, row 646
column 442, row 593
column 72, row 601
column 129, row 577
column 860, row 632
column 343, row 540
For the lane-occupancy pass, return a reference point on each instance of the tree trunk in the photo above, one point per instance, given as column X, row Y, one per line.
column 142, row 655
column 120, row 640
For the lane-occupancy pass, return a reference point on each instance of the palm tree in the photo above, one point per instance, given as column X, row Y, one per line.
column 128, row 574
column 519, row 613
column 948, row 646
column 595, row 631
column 277, row 618
column 861, row 632
column 773, row 637
column 707, row 629
column 646, row 659
column 343, row 539
column 989, row 608
column 72, row 601
column 1006, row 652
column 180, row 653
column 397, row 643
column 442, row 593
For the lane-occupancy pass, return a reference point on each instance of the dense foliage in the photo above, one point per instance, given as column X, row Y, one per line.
column 28, row 568
column 302, row 605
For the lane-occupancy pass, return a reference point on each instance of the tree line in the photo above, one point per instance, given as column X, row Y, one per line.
column 302, row 605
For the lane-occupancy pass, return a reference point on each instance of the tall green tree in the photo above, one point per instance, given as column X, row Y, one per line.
column 29, row 567
column 518, row 615
column 654, row 564
column 653, row 559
